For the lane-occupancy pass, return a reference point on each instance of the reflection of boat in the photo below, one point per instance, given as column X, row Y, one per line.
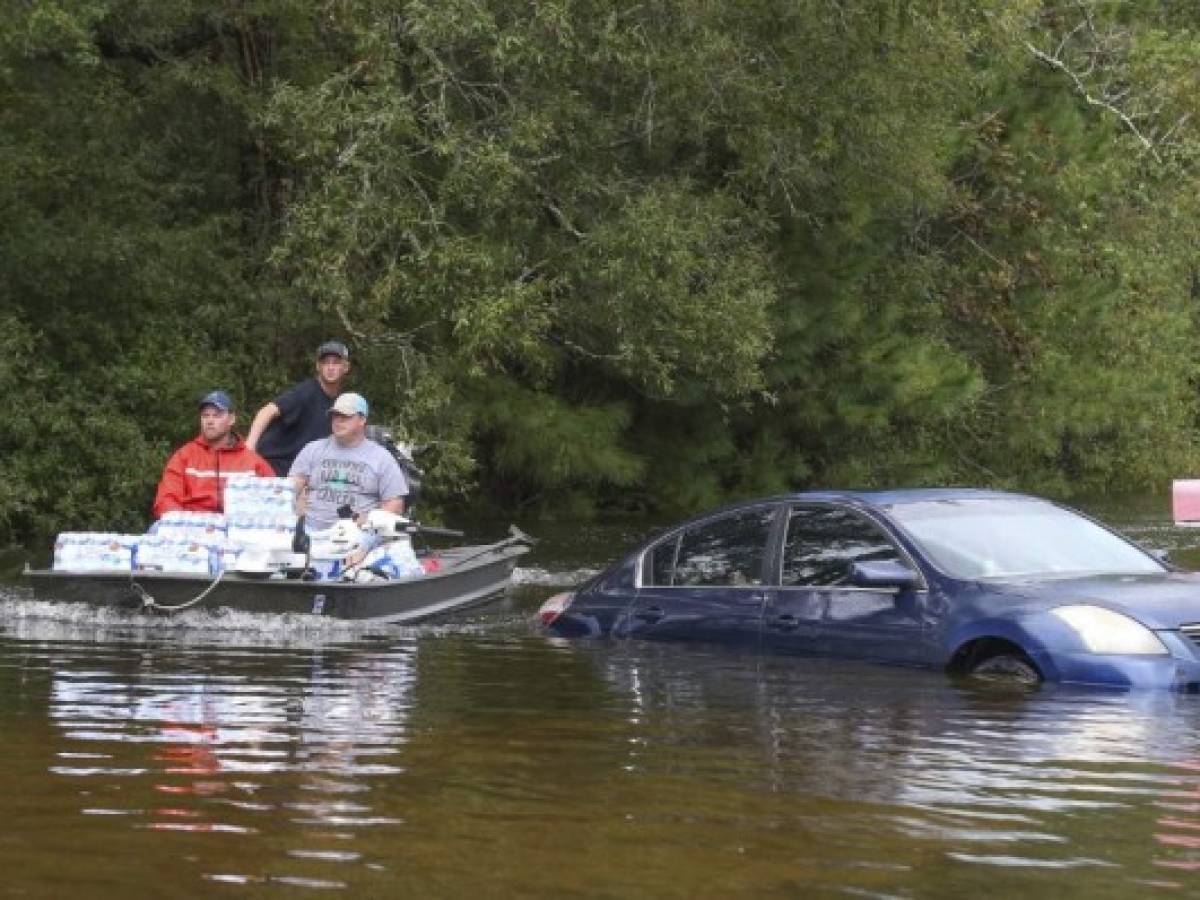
column 456, row 577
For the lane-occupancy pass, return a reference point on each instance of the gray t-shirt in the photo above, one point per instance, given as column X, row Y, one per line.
column 362, row 476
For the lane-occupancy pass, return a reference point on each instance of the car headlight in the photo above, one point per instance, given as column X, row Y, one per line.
column 1105, row 631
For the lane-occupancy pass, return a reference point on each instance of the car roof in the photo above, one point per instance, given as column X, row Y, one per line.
column 878, row 499
column 910, row 495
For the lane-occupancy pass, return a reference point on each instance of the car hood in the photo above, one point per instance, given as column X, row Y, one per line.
column 1160, row 601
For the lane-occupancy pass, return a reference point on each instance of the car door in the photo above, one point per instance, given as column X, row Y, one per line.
column 706, row 581
column 815, row 608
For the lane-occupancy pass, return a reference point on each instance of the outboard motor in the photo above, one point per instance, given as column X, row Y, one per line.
column 403, row 454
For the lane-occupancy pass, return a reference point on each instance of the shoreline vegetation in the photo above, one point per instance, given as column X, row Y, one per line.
column 604, row 258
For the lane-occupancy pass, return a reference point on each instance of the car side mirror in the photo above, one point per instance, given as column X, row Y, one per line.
column 883, row 573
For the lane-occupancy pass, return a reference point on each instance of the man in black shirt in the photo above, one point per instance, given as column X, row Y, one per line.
column 300, row 414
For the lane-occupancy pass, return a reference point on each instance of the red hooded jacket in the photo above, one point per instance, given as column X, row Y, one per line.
column 193, row 478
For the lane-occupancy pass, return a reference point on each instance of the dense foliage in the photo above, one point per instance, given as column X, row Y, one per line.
column 604, row 255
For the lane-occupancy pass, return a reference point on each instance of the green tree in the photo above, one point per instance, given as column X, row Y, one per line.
column 1071, row 246
column 130, row 214
column 604, row 255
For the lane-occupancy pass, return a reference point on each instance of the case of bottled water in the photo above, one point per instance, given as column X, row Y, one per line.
column 247, row 495
column 192, row 526
column 261, row 512
column 268, row 530
column 258, row 511
column 166, row 554
column 95, row 551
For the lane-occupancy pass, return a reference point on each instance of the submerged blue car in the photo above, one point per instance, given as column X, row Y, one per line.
column 969, row 581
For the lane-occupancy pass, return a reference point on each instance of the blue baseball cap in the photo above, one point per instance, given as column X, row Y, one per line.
column 220, row 399
column 349, row 405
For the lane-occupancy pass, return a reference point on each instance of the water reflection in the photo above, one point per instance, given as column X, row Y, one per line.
column 482, row 756
column 995, row 778
column 198, row 737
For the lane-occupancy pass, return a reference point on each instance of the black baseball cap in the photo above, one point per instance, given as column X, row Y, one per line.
column 333, row 348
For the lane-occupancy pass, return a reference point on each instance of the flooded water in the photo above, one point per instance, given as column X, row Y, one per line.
column 249, row 756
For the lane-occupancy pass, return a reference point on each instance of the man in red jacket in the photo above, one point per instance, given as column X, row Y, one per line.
column 195, row 476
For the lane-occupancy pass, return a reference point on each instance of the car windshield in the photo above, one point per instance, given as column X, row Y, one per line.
column 1003, row 538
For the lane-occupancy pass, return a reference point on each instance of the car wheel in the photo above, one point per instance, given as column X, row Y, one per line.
column 1007, row 667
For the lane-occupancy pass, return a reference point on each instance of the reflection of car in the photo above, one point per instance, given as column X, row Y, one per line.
column 970, row 581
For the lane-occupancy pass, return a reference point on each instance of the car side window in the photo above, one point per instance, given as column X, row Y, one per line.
column 659, row 563
column 823, row 541
column 724, row 552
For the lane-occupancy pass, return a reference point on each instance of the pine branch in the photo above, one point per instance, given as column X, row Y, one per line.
column 1106, row 103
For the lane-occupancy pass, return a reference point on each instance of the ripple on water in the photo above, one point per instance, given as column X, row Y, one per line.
column 478, row 755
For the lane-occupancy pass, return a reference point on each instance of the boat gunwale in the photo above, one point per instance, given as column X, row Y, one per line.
column 477, row 556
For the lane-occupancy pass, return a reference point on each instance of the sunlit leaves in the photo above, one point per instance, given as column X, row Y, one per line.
column 674, row 286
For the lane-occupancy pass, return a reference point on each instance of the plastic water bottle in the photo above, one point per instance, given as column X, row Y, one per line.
column 66, row 549
column 405, row 558
column 148, row 555
column 85, row 553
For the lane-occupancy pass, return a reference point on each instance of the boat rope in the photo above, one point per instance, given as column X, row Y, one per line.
column 149, row 603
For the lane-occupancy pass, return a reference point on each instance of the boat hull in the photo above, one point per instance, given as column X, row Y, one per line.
column 466, row 576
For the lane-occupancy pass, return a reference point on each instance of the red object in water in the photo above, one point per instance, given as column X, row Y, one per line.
column 1185, row 501
column 431, row 564
column 553, row 608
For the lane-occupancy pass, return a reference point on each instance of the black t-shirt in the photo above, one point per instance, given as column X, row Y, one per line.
column 303, row 417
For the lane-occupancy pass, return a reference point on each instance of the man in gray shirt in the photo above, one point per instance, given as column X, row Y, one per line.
column 346, row 469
